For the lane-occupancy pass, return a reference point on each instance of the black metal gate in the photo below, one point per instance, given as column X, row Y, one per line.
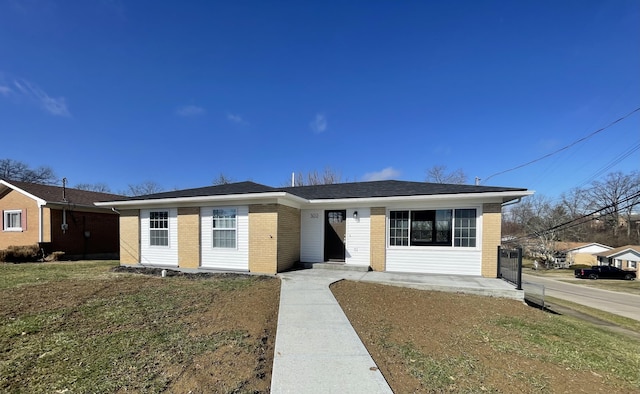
column 510, row 266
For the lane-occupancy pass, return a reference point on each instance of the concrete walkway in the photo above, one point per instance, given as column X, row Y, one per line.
column 318, row 351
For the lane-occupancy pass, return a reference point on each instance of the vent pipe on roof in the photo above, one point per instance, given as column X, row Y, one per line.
column 293, row 179
column 64, row 189
column 478, row 181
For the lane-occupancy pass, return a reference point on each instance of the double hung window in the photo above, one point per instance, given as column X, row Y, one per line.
column 436, row 227
column 224, row 228
column 159, row 228
column 12, row 220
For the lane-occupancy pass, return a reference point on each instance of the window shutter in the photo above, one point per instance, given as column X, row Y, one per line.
column 2, row 221
column 23, row 218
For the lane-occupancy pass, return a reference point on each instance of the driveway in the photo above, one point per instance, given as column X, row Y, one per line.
column 623, row 304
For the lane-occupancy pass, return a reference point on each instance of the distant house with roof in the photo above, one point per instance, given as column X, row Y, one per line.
column 384, row 225
column 58, row 219
column 625, row 257
column 580, row 252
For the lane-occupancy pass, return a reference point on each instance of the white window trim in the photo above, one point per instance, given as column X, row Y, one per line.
column 437, row 247
column 168, row 245
column 214, row 229
column 5, row 220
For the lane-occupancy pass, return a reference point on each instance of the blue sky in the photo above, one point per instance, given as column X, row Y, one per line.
column 178, row 92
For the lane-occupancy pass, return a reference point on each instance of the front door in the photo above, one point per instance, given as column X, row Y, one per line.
column 335, row 230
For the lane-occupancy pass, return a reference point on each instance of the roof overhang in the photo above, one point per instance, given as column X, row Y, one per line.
column 291, row 200
column 4, row 185
column 198, row 201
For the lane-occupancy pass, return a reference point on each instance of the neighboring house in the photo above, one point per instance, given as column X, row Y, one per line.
column 385, row 225
column 57, row 219
column 580, row 252
column 625, row 257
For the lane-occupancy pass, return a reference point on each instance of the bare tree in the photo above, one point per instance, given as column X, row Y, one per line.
column 328, row 176
column 94, row 187
column 439, row 174
column 144, row 188
column 538, row 218
column 576, row 207
column 15, row 170
column 616, row 197
column 222, row 179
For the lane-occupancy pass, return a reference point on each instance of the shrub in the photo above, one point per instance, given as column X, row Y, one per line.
column 21, row 254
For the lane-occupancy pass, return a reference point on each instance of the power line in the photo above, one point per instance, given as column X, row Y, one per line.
column 581, row 219
column 565, row 147
column 612, row 163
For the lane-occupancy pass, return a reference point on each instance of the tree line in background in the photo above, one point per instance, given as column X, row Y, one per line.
column 607, row 212
column 14, row 170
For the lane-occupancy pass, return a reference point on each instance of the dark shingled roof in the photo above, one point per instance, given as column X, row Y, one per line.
column 388, row 189
column 332, row 191
column 53, row 194
column 218, row 190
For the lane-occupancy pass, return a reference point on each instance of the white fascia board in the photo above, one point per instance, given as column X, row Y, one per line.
column 494, row 197
column 199, row 201
column 78, row 207
column 38, row 200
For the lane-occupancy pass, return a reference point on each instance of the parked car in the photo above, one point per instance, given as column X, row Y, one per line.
column 604, row 272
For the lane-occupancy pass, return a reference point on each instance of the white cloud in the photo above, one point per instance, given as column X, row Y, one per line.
column 30, row 91
column 319, row 124
column 234, row 118
column 384, row 174
column 190, row 110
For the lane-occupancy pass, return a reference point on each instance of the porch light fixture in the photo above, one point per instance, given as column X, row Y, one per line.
column 355, row 215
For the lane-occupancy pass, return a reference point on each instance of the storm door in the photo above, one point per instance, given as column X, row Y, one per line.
column 335, row 230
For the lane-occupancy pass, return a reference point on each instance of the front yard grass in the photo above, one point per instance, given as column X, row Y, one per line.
column 79, row 327
column 427, row 341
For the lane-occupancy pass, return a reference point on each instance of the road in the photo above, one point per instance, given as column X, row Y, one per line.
column 623, row 304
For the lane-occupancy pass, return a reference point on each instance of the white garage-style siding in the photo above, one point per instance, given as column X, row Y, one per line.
column 159, row 255
column 358, row 237
column 435, row 260
column 225, row 258
column 312, row 236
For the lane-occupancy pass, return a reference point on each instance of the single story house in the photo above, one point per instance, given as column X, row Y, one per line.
column 385, row 225
column 580, row 252
column 58, row 219
column 624, row 257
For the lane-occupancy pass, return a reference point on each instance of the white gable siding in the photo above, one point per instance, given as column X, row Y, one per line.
column 358, row 237
column 237, row 258
column 312, row 236
column 159, row 255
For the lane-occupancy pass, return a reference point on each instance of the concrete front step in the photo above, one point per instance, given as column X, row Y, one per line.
column 335, row 266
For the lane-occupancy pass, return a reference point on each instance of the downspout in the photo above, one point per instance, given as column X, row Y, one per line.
column 40, row 223
column 512, row 202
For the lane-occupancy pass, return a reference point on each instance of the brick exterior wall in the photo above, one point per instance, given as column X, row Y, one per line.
column 14, row 200
column 89, row 234
column 491, row 236
column 46, row 230
column 263, row 238
column 288, row 237
column 378, row 239
column 130, row 236
column 189, row 237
